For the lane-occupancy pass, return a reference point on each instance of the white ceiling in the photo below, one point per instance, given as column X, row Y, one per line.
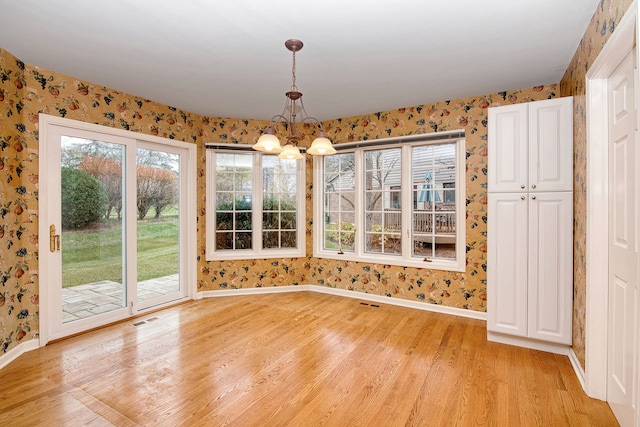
column 227, row 58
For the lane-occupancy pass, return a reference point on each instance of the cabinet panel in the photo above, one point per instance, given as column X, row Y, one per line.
column 551, row 145
column 507, row 264
column 508, row 133
column 550, row 266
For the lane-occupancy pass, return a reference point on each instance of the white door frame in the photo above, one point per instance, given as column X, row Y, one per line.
column 597, row 257
column 45, row 187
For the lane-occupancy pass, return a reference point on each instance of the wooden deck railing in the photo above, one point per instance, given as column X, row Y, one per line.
column 439, row 221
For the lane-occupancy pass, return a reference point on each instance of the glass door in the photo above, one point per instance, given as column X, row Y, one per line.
column 158, row 218
column 114, row 238
column 92, row 235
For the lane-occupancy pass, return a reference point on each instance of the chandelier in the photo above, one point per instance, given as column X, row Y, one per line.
column 269, row 142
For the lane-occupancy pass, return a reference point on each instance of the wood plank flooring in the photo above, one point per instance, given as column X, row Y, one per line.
column 293, row 359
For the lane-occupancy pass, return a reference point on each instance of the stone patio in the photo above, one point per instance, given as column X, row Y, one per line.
column 90, row 299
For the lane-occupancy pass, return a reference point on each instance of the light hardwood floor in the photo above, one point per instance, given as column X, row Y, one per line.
column 293, row 359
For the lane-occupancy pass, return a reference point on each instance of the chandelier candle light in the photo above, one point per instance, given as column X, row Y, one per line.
column 269, row 143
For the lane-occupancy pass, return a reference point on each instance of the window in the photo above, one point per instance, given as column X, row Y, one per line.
column 393, row 201
column 253, row 204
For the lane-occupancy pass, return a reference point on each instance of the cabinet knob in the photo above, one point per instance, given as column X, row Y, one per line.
column 533, row 186
column 533, row 197
column 522, row 186
column 522, row 197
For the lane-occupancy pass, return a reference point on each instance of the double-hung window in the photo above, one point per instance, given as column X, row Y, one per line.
column 398, row 201
column 255, row 204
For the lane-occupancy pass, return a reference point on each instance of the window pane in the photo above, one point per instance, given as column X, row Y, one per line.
column 434, row 209
column 279, row 202
column 224, row 241
column 383, row 183
column 288, row 221
column 288, row 239
column 339, row 202
column 270, row 202
column 347, row 239
column 270, row 239
column 348, row 201
column 243, row 241
column 373, row 200
column 392, row 243
column 233, row 200
column 225, row 199
column 224, row 181
column 243, row 221
column 270, row 220
column 332, row 182
column 373, row 243
column 224, row 221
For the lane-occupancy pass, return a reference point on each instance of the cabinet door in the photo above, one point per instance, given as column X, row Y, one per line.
column 550, row 266
column 507, row 263
column 551, row 145
column 508, row 133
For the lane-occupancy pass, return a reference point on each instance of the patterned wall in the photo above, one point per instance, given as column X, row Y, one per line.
column 602, row 25
column 18, row 211
column 26, row 91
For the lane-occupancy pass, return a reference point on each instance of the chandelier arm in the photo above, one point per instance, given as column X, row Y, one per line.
column 276, row 119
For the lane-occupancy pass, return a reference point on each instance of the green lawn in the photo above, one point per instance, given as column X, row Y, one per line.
column 91, row 255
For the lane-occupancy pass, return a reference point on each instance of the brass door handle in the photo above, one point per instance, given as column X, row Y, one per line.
column 54, row 239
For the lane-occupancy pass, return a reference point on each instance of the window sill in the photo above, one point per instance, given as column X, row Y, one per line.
column 436, row 264
column 237, row 255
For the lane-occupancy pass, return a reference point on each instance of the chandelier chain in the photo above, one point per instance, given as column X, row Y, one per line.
column 293, row 73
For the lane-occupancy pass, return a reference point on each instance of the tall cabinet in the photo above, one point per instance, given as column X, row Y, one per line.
column 530, row 224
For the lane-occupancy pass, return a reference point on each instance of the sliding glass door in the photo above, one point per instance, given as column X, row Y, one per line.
column 115, row 215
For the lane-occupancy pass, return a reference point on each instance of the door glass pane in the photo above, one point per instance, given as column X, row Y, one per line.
column 92, row 241
column 158, row 207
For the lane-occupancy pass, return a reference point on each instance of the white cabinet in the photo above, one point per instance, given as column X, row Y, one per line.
column 531, row 146
column 530, row 224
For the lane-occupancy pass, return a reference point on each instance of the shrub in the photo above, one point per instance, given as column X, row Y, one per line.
column 84, row 198
column 342, row 235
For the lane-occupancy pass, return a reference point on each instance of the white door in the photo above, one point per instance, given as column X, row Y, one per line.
column 507, row 256
column 550, row 266
column 551, row 145
column 115, row 211
column 623, row 280
column 508, row 150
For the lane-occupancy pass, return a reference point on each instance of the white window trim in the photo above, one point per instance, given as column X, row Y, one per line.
column 257, row 252
column 359, row 254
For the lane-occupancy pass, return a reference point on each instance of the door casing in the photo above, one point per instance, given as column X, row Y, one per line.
column 621, row 42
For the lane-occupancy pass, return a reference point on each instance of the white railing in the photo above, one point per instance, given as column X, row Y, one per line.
column 438, row 221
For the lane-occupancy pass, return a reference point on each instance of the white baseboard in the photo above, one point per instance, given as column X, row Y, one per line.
column 349, row 294
column 577, row 368
column 529, row 343
column 18, row 351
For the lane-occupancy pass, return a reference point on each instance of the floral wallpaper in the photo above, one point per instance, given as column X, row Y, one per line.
column 26, row 91
column 18, row 212
column 603, row 23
